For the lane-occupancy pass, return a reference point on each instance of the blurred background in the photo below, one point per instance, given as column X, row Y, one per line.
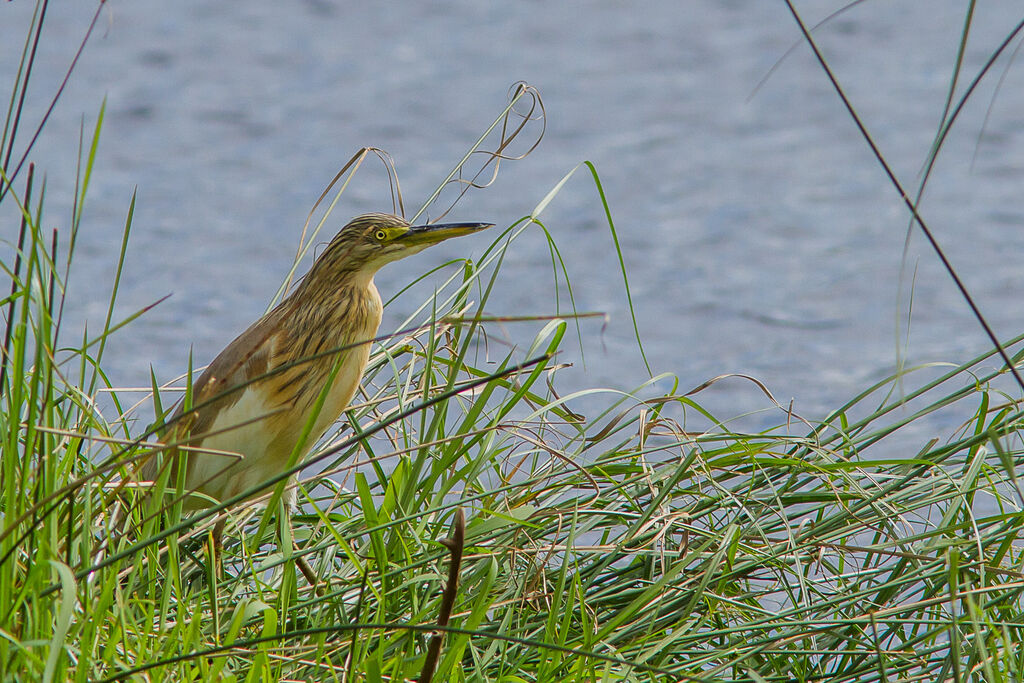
column 759, row 234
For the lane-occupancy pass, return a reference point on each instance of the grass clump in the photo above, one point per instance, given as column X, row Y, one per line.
column 646, row 540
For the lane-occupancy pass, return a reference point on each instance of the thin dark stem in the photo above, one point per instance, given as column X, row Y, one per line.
column 910, row 204
column 53, row 102
column 455, row 545
column 24, row 88
column 14, row 281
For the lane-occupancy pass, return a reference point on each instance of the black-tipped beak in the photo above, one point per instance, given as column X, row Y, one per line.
column 433, row 233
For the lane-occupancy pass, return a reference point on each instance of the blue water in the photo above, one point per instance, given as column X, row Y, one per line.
column 759, row 233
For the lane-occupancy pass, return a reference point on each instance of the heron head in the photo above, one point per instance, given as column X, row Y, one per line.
column 372, row 240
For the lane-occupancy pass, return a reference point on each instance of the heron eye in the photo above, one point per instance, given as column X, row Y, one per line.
column 380, row 235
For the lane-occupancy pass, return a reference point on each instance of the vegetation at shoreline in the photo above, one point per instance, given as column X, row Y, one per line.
column 644, row 541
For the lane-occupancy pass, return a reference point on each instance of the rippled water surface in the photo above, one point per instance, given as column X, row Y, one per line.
column 759, row 233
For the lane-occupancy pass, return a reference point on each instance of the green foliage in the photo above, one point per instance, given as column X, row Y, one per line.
column 646, row 541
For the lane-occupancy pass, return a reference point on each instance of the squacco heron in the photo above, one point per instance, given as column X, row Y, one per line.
column 253, row 403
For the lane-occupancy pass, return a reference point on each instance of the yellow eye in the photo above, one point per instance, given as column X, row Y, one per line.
column 380, row 235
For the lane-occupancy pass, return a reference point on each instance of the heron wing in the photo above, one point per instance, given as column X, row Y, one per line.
column 220, row 386
column 242, row 363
